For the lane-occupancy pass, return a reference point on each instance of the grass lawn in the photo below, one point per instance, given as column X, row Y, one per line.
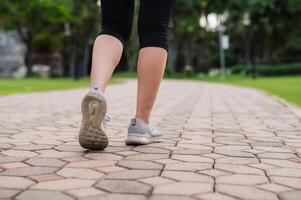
column 286, row 87
column 11, row 86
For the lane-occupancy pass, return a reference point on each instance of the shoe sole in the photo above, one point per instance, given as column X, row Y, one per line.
column 91, row 136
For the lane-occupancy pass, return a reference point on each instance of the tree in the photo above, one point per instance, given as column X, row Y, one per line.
column 49, row 25
column 274, row 26
column 84, row 27
column 70, row 26
column 35, row 21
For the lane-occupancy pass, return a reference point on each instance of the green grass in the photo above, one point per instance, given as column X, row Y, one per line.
column 286, row 87
column 12, row 86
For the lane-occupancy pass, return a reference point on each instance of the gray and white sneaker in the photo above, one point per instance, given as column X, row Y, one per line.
column 141, row 133
column 92, row 134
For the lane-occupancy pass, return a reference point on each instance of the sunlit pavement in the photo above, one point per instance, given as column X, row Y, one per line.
column 220, row 143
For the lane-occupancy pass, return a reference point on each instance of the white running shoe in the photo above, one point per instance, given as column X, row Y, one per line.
column 141, row 133
column 92, row 134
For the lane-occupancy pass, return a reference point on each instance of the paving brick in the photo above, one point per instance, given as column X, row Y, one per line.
column 287, row 181
column 192, row 158
column 147, row 157
column 234, row 153
column 188, row 166
column 57, row 154
column 213, row 155
column 133, row 174
column 297, row 160
column 42, row 194
column 29, row 171
column 8, row 193
column 112, row 149
column 12, row 165
column 118, row 197
column 19, row 153
column 63, row 184
column 32, row 147
column 151, row 150
column 5, row 146
column 274, row 149
column 45, row 162
column 10, row 159
column 14, row 182
column 127, row 153
column 284, row 172
column 103, row 156
column 282, row 163
column 242, row 179
column 167, row 161
column 156, row 180
column 195, row 146
column 45, row 177
column 69, row 148
column 74, row 159
column 263, row 166
column 211, row 132
column 237, row 160
column 187, row 176
column 245, row 192
column 191, row 151
column 213, row 172
column 183, row 188
column 85, row 192
column 291, row 195
column 274, row 187
column 135, row 164
column 81, row 173
column 124, row 186
column 91, row 163
column 110, row 169
column 170, row 197
column 46, row 128
column 277, row 155
column 214, row 196
column 239, row 169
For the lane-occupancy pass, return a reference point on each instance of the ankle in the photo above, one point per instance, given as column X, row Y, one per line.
column 97, row 88
column 143, row 119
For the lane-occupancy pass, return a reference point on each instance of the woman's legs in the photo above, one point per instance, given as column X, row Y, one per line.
column 151, row 65
column 117, row 17
column 116, row 27
column 107, row 52
column 153, row 26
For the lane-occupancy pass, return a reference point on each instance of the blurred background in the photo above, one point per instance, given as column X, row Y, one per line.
column 230, row 41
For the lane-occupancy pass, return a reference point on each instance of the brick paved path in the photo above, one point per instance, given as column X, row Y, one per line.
column 220, row 143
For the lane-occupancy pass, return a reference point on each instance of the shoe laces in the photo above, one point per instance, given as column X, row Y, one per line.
column 105, row 121
column 155, row 132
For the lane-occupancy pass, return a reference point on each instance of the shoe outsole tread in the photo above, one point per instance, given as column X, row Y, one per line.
column 91, row 135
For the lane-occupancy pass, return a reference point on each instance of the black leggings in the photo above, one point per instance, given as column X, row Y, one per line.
column 153, row 21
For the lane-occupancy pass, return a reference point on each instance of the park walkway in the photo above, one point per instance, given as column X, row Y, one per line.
column 220, row 143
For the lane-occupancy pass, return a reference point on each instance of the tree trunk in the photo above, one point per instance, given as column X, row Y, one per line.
column 72, row 63
column 28, row 58
column 172, row 60
column 188, row 53
column 247, row 46
column 86, row 60
column 172, row 55
column 26, row 38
